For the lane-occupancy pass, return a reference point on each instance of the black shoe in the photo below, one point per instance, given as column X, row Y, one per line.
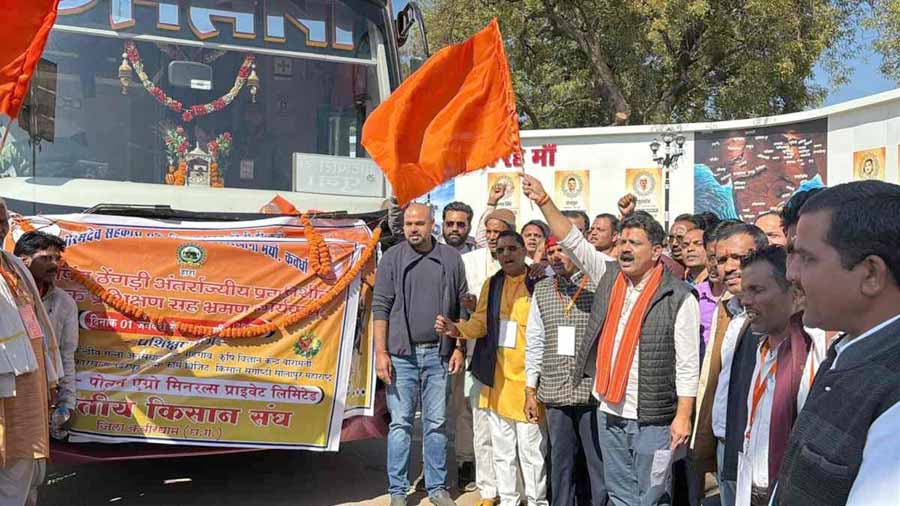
column 465, row 477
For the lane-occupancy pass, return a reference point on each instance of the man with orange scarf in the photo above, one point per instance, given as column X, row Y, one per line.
column 639, row 350
column 30, row 368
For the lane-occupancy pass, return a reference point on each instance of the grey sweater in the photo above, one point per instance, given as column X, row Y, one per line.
column 411, row 289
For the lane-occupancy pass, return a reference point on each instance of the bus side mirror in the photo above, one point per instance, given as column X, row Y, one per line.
column 411, row 39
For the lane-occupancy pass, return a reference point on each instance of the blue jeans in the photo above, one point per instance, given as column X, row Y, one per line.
column 727, row 488
column 420, row 376
column 628, row 450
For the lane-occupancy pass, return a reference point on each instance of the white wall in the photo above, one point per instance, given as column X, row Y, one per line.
column 606, row 152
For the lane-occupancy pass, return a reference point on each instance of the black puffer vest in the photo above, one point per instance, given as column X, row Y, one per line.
column 826, row 445
column 657, row 400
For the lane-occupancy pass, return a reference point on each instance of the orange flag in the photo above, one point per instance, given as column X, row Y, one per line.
column 456, row 114
column 25, row 25
column 279, row 205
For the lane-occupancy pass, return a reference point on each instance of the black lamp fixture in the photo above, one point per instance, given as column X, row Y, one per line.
column 667, row 160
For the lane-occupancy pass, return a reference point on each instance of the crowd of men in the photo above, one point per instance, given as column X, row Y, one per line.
column 615, row 363
column 591, row 363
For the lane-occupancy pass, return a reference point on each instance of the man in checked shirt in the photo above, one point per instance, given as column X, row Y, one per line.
column 560, row 309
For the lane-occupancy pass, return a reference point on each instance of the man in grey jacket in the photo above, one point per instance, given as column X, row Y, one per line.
column 417, row 280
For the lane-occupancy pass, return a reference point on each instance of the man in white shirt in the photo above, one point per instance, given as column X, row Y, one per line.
column 604, row 234
column 734, row 242
column 844, row 447
column 787, row 359
column 42, row 253
column 639, row 351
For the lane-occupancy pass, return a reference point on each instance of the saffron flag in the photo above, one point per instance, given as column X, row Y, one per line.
column 279, row 205
column 25, row 26
column 456, row 114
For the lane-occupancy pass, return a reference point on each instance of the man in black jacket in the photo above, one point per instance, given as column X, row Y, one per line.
column 844, row 448
column 416, row 281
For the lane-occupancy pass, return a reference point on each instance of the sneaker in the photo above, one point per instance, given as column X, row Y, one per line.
column 465, row 477
column 398, row 500
column 441, row 498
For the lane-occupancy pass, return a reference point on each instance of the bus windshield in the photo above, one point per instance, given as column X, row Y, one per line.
column 199, row 102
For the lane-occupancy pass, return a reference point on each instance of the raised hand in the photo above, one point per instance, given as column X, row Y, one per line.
column 497, row 193
column 533, row 188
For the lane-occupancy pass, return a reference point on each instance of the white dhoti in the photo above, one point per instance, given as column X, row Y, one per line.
column 481, row 443
column 519, row 446
column 20, row 480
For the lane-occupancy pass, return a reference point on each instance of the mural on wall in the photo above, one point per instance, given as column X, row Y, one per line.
column 745, row 173
column 868, row 164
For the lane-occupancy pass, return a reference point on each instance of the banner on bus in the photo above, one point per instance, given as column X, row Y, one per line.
column 142, row 381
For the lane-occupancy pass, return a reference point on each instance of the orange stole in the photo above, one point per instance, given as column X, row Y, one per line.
column 613, row 378
column 24, row 419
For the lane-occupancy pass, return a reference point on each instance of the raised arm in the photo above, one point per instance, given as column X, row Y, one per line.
column 586, row 257
column 496, row 193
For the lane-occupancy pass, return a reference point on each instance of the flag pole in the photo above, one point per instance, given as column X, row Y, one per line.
column 530, row 202
column 5, row 135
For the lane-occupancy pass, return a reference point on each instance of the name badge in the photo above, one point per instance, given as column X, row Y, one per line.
column 508, row 331
column 29, row 319
column 565, row 341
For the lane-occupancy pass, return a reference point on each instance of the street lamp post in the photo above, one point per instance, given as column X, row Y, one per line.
column 667, row 160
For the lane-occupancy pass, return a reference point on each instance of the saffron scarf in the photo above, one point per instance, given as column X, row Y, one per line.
column 612, row 378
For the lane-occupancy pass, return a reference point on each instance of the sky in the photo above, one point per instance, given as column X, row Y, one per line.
column 866, row 79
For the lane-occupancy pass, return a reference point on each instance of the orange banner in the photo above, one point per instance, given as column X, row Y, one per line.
column 140, row 379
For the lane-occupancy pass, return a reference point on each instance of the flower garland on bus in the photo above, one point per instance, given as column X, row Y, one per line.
column 194, row 111
column 319, row 255
column 176, row 147
column 219, row 149
column 247, row 332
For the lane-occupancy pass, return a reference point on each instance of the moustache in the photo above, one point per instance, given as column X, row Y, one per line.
column 626, row 256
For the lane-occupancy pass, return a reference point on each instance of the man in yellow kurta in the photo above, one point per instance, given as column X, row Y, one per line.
column 498, row 324
column 30, row 366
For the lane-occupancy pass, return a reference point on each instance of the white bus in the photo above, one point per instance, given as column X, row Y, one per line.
column 208, row 106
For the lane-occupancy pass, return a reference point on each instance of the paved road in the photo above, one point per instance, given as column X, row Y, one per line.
column 354, row 476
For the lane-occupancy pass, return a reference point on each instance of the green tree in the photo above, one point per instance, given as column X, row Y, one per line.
column 885, row 20
column 589, row 62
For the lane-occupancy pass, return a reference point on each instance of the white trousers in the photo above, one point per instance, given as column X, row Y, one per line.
column 19, row 482
column 518, row 444
column 481, row 443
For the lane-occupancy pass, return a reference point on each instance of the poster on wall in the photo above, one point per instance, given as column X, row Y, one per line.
column 745, row 173
column 573, row 190
column 510, row 180
column 869, row 164
column 647, row 186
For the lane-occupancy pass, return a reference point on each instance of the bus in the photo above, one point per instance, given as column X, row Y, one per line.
column 207, row 105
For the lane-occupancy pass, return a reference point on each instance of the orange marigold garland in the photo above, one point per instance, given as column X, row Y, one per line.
column 319, row 254
column 250, row 331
